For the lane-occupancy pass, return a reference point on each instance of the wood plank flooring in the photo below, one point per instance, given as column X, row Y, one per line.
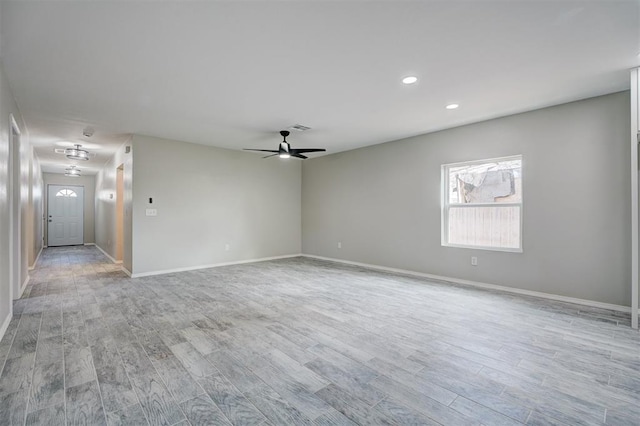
column 304, row 342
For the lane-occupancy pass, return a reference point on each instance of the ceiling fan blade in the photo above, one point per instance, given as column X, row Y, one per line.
column 261, row 150
column 304, row 157
column 270, row 155
column 303, row 150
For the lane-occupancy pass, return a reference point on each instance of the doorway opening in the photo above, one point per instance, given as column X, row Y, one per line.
column 120, row 213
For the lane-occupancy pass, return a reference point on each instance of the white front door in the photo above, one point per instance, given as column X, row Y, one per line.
column 65, row 215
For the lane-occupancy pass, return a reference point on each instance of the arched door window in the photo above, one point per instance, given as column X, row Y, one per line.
column 66, row 193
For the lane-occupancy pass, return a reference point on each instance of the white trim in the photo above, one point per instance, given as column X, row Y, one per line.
column 35, row 262
column 505, row 249
column 635, row 128
column 5, row 325
column 472, row 205
column 12, row 122
column 105, row 253
column 213, row 265
column 24, row 286
column 539, row 294
column 483, row 161
column 446, row 205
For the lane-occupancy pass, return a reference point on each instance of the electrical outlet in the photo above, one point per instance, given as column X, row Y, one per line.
column 474, row 261
column 339, row 244
column 227, row 247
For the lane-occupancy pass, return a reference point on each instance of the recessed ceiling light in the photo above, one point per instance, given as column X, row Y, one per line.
column 452, row 106
column 410, row 80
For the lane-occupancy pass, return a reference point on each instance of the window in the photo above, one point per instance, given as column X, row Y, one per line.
column 66, row 193
column 482, row 204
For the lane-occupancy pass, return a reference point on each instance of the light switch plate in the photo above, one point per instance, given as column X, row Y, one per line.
column 152, row 212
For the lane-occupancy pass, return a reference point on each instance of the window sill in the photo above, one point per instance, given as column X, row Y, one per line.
column 503, row 249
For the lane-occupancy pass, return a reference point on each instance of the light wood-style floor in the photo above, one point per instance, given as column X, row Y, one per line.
column 301, row 341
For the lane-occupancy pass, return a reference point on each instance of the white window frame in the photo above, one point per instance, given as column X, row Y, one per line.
column 445, row 205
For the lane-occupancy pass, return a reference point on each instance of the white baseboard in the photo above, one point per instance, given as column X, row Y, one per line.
column 5, row 325
column 539, row 294
column 117, row 262
column 35, row 262
column 24, row 286
column 214, row 265
column 104, row 252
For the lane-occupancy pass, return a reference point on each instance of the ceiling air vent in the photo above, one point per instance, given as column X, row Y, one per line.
column 299, row 127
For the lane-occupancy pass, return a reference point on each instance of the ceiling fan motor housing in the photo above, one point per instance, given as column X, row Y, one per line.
column 284, row 147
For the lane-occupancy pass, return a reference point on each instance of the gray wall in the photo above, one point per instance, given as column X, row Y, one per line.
column 207, row 197
column 27, row 233
column 7, row 105
column 105, row 205
column 89, row 185
column 383, row 202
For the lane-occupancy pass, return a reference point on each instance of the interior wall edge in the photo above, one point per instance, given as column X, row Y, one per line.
column 635, row 139
column 478, row 284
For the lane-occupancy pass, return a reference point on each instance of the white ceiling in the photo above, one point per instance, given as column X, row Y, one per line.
column 233, row 73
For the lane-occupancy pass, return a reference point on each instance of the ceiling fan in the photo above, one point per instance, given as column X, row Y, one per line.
column 285, row 150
